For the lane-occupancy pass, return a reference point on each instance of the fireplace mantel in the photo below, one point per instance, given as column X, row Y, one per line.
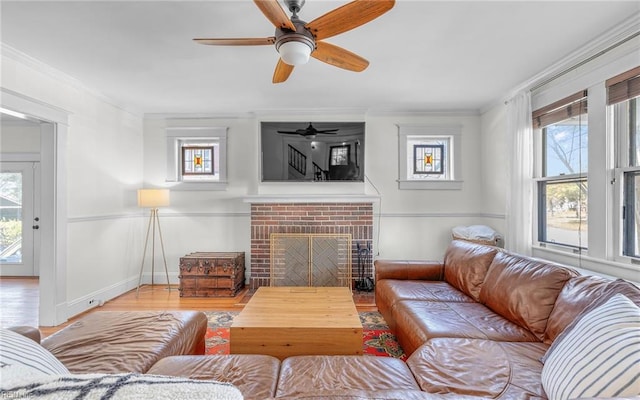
column 313, row 198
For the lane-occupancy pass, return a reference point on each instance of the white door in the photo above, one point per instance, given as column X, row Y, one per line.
column 19, row 222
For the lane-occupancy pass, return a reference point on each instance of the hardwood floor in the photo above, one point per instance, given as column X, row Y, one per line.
column 19, row 302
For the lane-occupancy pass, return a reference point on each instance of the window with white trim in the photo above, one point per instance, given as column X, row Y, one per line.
column 197, row 156
column 623, row 99
column 429, row 157
column 562, row 185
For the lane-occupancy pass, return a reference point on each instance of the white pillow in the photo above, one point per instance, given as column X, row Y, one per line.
column 17, row 351
column 599, row 357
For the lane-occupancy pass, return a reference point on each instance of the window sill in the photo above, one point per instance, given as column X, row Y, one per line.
column 193, row 186
column 589, row 265
column 429, row 185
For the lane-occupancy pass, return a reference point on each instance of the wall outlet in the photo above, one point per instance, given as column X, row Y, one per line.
column 93, row 302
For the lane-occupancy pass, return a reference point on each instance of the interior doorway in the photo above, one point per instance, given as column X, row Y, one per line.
column 45, row 149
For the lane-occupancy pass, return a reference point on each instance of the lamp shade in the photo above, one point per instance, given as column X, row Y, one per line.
column 153, row 198
column 294, row 53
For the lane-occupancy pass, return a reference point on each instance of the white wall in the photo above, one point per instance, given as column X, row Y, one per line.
column 416, row 224
column 413, row 224
column 202, row 220
column 104, row 168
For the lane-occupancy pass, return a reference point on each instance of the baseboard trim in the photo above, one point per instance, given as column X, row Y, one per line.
column 99, row 297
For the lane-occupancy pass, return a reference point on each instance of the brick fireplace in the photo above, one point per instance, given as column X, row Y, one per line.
column 355, row 218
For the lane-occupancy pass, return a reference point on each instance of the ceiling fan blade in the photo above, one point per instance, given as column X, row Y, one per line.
column 282, row 72
column 237, row 41
column 289, row 133
column 339, row 57
column 347, row 17
column 328, row 131
column 274, row 13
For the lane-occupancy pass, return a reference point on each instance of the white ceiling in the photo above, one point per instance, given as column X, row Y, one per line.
column 424, row 55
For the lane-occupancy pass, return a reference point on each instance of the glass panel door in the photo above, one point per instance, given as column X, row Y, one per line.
column 17, row 220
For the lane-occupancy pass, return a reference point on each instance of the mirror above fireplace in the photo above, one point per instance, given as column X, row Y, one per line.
column 312, row 151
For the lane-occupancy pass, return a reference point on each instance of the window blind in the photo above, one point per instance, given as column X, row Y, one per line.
column 568, row 107
column 624, row 86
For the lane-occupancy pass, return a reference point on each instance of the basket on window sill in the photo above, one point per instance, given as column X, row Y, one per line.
column 494, row 242
column 480, row 234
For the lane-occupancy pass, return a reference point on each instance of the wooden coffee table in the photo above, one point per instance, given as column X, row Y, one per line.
column 287, row 321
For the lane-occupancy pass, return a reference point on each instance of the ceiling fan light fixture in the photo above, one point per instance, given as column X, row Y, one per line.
column 295, row 52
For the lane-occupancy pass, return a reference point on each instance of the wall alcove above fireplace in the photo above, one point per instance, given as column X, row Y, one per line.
column 306, row 156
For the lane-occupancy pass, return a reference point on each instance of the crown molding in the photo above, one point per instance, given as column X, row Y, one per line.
column 199, row 116
column 593, row 49
column 351, row 112
column 57, row 75
column 396, row 112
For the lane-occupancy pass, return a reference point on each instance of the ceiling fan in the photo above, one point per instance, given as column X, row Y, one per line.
column 296, row 40
column 310, row 131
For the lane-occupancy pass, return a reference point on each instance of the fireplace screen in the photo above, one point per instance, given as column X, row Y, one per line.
column 310, row 259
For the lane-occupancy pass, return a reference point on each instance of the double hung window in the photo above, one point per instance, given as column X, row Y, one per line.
column 562, row 184
column 623, row 98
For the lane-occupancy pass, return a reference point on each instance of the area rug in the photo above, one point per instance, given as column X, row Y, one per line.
column 377, row 338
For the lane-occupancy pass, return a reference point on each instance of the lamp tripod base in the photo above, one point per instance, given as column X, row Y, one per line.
column 154, row 220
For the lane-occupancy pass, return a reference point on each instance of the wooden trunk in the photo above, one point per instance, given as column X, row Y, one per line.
column 204, row 274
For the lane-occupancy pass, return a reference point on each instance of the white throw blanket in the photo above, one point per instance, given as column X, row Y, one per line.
column 114, row 387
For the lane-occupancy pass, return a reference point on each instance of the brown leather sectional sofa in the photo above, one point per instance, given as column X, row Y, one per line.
column 474, row 326
column 479, row 322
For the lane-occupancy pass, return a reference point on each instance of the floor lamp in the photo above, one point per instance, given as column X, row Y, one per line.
column 153, row 198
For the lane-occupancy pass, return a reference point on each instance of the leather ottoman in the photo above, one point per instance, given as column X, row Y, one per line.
column 255, row 375
column 127, row 341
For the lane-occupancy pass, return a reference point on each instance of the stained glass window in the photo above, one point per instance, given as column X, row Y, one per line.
column 197, row 160
column 428, row 159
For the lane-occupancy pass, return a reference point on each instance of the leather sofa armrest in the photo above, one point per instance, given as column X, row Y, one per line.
column 27, row 331
column 405, row 269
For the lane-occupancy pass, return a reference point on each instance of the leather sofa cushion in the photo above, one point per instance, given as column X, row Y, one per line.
column 524, row 290
column 580, row 294
column 30, row 332
column 255, row 376
column 127, row 341
column 407, row 269
column 392, row 291
column 484, row 368
column 419, row 321
column 327, row 376
column 393, row 394
column 466, row 265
